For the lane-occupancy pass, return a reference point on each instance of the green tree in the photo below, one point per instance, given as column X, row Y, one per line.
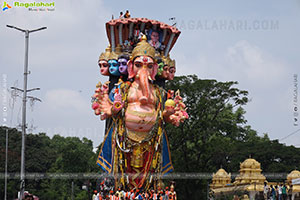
column 73, row 156
column 46, row 155
column 203, row 142
column 217, row 135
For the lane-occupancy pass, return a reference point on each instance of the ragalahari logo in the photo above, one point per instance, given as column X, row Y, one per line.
column 5, row 6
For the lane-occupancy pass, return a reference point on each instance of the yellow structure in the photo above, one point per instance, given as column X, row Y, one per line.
column 220, row 179
column 250, row 173
column 295, row 174
column 245, row 197
column 249, row 180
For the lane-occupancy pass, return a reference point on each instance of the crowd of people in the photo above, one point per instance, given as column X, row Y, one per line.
column 29, row 197
column 160, row 194
column 277, row 192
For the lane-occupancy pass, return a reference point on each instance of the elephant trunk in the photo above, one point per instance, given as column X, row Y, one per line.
column 144, row 83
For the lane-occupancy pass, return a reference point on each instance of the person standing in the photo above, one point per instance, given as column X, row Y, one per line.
column 139, row 197
column 155, row 196
column 284, row 192
column 132, row 195
column 121, row 15
column 111, row 195
column 266, row 191
column 280, row 192
column 127, row 195
column 94, row 197
column 276, row 192
column 28, row 197
column 127, row 14
column 273, row 193
column 290, row 192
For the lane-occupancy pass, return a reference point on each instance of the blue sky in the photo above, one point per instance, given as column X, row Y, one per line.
column 63, row 58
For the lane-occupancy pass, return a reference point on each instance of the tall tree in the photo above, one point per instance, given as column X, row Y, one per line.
column 217, row 135
column 203, row 142
column 46, row 155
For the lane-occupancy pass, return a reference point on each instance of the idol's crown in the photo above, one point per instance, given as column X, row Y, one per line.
column 143, row 48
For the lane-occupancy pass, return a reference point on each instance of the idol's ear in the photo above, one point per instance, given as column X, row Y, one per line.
column 130, row 70
column 154, row 72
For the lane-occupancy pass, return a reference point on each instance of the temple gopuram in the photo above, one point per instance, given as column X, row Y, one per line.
column 249, row 183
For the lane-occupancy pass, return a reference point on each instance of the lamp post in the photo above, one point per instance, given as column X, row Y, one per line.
column 6, row 149
column 22, row 174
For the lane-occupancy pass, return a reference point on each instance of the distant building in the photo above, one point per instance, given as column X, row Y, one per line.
column 249, row 184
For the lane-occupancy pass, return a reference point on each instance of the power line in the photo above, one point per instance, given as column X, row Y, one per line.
column 289, row 135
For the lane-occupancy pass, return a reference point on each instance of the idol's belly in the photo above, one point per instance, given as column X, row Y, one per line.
column 139, row 121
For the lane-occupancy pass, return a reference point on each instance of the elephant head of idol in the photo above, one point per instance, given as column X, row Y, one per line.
column 143, row 68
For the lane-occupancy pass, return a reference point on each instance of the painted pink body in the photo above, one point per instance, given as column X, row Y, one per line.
column 95, row 105
column 180, row 113
column 105, row 105
column 118, row 103
column 140, row 117
column 102, row 105
column 140, row 114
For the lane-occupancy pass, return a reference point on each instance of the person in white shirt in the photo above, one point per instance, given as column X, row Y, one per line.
column 266, row 191
column 280, row 192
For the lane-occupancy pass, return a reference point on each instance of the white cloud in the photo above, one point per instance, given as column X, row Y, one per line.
column 254, row 66
column 249, row 64
column 64, row 99
column 63, row 56
column 71, row 35
column 267, row 78
column 69, row 113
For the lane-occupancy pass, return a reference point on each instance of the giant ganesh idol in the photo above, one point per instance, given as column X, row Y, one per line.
column 134, row 102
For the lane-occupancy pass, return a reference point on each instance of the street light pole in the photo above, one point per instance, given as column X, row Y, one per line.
column 6, row 149
column 22, row 175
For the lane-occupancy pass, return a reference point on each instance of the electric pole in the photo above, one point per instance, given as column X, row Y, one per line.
column 22, row 174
